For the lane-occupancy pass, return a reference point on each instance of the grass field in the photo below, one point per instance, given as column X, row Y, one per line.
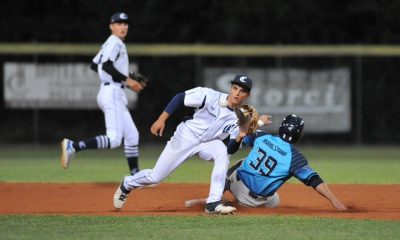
column 197, row 227
column 366, row 165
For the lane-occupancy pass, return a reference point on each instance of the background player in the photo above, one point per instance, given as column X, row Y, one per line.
column 271, row 162
column 214, row 119
column 112, row 63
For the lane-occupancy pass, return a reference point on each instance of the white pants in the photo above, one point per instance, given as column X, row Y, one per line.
column 181, row 147
column 241, row 193
column 119, row 124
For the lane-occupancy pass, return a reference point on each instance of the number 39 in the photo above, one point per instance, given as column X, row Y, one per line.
column 269, row 163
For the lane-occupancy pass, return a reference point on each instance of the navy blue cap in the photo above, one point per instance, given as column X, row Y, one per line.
column 119, row 17
column 243, row 81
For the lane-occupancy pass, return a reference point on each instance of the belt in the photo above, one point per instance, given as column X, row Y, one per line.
column 107, row 84
column 251, row 194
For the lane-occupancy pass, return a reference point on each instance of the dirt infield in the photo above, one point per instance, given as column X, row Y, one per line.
column 365, row 201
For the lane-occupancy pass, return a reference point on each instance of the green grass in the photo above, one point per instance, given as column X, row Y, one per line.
column 196, row 227
column 42, row 164
column 364, row 165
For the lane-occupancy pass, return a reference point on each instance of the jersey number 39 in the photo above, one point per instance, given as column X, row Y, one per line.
column 263, row 164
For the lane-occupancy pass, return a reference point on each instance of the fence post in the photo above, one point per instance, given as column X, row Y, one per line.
column 359, row 103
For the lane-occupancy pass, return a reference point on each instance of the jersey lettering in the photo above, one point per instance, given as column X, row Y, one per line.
column 269, row 163
column 274, row 147
column 228, row 128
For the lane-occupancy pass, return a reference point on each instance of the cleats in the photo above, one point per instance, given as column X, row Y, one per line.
column 67, row 152
column 219, row 208
column 120, row 196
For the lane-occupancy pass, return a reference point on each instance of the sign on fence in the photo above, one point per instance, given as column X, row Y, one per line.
column 321, row 97
column 48, row 85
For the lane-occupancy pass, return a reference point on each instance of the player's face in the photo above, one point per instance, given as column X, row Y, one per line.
column 119, row 29
column 237, row 95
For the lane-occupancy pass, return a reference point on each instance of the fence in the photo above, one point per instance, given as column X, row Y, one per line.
column 373, row 87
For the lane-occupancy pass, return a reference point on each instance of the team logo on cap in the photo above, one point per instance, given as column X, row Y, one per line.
column 123, row 16
column 243, row 79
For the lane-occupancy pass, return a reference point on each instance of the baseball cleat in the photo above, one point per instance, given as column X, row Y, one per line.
column 219, row 208
column 67, row 152
column 120, row 196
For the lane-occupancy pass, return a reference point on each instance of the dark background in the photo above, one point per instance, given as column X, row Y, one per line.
column 208, row 22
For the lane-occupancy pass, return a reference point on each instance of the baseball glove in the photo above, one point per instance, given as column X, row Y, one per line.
column 247, row 118
column 140, row 78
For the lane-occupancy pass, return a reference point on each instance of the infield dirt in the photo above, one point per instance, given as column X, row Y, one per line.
column 364, row 201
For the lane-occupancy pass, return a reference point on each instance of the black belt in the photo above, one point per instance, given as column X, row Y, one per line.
column 107, row 84
column 251, row 194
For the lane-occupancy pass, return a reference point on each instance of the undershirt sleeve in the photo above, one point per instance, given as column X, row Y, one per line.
column 233, row 146
column 175, row 103
column 109, row 68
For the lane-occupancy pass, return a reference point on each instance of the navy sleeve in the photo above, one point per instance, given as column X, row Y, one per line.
column 300, row 169
column 233, row 146
column 298, row 160
column 175, row 103
column 109, row 68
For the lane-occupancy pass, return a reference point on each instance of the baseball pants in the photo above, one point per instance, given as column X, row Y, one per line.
column 244, row 198
column 183, row 145
column 119, row 124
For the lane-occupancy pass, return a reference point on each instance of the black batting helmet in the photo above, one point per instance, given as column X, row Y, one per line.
column 291, row 128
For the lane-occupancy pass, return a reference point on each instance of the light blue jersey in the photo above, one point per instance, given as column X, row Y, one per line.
column 271, row 163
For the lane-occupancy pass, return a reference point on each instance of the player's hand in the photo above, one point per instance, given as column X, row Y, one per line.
column 158, row 127
column 266, row 119
column 134, row 85
column 339, row 206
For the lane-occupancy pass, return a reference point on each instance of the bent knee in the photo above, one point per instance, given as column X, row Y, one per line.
column 220, row 155
column 155, row 179
column 115, row 142
column 273, row 201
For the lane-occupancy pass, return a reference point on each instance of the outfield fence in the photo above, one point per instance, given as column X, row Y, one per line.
column 207, row 50
column 372, row 83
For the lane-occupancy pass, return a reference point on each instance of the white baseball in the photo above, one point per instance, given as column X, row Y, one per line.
column 223, row 103
column 260, row 123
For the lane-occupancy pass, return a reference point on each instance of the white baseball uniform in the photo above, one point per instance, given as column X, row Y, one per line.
column 201, row 135
column 112, row 98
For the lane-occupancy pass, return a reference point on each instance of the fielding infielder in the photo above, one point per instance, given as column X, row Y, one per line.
column 214, row 119
column 111, row 63
column 271, row 162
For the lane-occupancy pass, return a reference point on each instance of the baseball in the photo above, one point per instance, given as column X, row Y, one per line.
column 260, row 123
column 223, row 103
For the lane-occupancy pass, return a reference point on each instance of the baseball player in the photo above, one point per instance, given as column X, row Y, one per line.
column 111, row 63
column 201, row 134
column 271, row 162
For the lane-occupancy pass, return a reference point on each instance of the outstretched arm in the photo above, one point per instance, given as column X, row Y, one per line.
column 323, row 189
column 301, row 170
column 158, row 126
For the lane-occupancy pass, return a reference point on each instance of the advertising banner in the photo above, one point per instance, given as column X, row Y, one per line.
column 320, row 96
column 48, row 85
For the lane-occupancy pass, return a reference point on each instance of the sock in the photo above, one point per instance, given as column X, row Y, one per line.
column 211, row 206
column 133, row 165
column 132, row 155
column 99, row 142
